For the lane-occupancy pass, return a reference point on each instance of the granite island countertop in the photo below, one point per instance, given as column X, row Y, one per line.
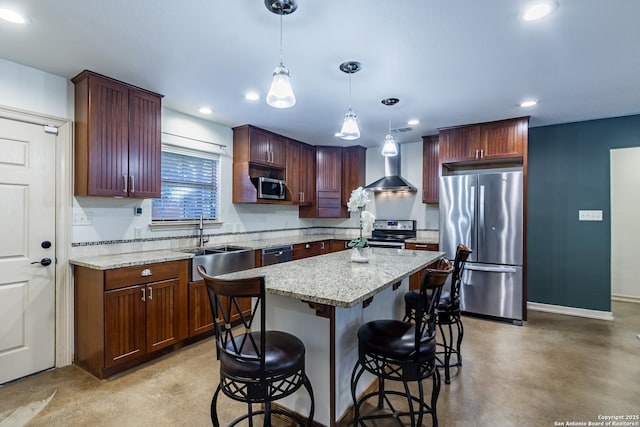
column 332, row 279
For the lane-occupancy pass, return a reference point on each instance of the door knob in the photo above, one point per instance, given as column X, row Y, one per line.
column 46, row 244
column 44, row 262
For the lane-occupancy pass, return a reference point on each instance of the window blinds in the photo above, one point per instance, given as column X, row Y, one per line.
column 189, row 185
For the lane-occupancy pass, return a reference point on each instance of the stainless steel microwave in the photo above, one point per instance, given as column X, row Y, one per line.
column 269, row 188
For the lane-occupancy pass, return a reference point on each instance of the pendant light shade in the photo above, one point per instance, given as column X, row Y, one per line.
column 280, row 92
column 350, row 130
column 390, row 148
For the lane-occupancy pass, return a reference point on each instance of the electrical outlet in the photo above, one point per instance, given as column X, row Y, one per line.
column 589, row 215
column 137, row 232
column 82, row 218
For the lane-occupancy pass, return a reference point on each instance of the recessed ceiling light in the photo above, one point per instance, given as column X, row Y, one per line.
column 252, row 96
column 205, row 110
column 12, row 16
column 539, row 10
column 413, row 122
column 528, row 103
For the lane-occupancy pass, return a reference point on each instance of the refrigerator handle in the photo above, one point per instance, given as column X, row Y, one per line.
column 481, row 216
column 473, row 218
column 494, row 269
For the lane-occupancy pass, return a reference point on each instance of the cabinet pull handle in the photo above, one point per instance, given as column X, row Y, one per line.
column 150, row 293
column 301, row 196
column 482, row 153
column 421, row 246
column 476, row 154
column 144, row 294
column 124, row 182
column 133, row 184
column 322, row 245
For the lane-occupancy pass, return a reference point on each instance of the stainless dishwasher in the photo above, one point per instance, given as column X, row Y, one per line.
column 276, row 255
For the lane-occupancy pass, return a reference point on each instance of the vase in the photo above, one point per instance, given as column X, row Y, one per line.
column 360, row 254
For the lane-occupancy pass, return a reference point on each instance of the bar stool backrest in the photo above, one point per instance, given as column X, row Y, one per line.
column 225, row 297
column 462, row 254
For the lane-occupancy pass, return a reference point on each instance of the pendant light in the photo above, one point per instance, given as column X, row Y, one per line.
column 350, row 130
column 390, row 148
column 280, row 93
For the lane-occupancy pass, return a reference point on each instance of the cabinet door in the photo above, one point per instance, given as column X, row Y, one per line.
column 338, row 245
column 353, row 174
column 307, row 174
column 278, row 149
column 200, row 318
column 166, row 321
column 504, row 139
column 293, row 175
column 107, row 142
column 415, row 280
column 329, row 182
column 459, row 144
column 259, row 151
column 144, row 144
column 125, row 337
column 430, row 169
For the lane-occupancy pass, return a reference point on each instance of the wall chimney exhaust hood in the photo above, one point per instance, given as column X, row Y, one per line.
column 392, row 181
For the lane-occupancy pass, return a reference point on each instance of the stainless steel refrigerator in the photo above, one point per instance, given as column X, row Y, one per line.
column 484, row 212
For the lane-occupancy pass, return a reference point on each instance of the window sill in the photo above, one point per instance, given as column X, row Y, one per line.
column 182, row 225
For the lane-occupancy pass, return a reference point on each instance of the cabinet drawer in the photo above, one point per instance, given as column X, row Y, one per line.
column 422, row 246
column 128, row 276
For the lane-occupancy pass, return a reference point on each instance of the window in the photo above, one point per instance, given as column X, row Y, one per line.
column 189, row 185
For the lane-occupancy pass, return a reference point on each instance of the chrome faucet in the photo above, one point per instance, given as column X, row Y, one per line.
column 202, row 239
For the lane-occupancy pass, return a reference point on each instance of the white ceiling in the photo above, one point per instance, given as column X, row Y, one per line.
column 450, row 62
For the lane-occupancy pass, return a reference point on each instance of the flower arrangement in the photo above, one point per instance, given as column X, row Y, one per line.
column 358, row 200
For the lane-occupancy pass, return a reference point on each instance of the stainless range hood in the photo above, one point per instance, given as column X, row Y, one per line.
column 392, row 181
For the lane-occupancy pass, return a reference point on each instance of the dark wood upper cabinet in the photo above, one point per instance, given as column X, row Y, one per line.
column 266, row 148
column 300, row 173
column 117, row 141
column 354, row 161
column 484, row 142
column 430, row 169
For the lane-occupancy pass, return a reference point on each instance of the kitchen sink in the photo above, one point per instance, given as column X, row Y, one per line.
column 220, row 260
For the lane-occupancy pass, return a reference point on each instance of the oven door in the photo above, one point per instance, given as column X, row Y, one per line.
column 386, row 244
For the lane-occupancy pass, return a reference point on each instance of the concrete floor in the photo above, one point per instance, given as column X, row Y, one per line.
column 554, row 369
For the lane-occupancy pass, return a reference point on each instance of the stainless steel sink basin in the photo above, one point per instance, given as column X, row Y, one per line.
column 220, row 260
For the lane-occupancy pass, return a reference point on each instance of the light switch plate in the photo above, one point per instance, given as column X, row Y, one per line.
column 589, row 215
column 82, row 218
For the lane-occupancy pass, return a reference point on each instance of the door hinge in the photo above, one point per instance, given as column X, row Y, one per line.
column 51, row 129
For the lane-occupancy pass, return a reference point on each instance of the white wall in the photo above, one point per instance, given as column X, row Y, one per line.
column 32, row 90
column 114, row 219
column 402, row 205
column 625, row 227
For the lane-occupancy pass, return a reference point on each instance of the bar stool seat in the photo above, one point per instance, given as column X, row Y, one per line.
column 398, row 350
column 257, row 366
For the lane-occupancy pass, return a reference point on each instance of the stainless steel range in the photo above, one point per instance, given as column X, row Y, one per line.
column 392, row 233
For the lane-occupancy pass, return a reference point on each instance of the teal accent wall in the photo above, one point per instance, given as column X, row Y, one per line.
column 569, row 261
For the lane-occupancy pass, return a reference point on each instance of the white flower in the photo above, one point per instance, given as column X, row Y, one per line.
column 366, row 221
column 358, row 200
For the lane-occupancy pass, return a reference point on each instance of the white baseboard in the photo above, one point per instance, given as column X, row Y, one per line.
column 570, row 311
column 625, row 298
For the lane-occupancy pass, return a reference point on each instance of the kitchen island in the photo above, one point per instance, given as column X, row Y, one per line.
column 323, row 300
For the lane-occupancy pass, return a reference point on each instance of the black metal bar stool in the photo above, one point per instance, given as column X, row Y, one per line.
column 448, row 315
column 255, row 366
column 403, row 351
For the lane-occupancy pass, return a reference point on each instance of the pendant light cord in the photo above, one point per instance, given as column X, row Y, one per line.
column 281, row 36
column 350, row 72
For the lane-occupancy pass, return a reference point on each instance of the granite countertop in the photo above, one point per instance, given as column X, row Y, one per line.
column 130, row 259
column 424, row 240
column 282, row 241
column 332, row 279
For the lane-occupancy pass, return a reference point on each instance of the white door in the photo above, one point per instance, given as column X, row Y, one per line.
column 27, row 286
column 625, row 228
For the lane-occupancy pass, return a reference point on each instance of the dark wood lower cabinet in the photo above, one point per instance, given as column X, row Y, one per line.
column 125, row 316
column 415, row 280
column 200, row 318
